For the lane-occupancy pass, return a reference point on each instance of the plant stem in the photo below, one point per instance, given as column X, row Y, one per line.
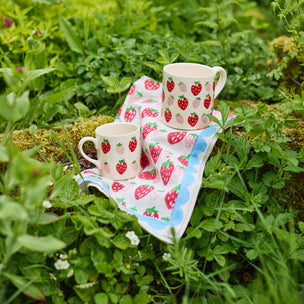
column 220, row 29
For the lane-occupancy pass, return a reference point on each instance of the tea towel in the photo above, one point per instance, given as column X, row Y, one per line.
column 164, row 194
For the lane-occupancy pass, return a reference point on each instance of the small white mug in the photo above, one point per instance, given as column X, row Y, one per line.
column 118, row 147
column 189, row 90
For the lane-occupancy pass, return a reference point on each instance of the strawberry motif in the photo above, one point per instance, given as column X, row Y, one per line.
column 179, row 171
column 170, row 100
column 179, row 118
column 151, row 212
column 168, row 115
column 183, row 159
column 107, row 167
column 193, row 119
column 175, row 137
column 183, row 102
column 166, row 171
column 207, row 101
column 182, row 87
column 142, row 190
column 121, row 166
column 208, row 86
column 196, row 102
column 171, row 196
column 134, row 165
column 148, row 128
column 132, row 90
column 196, row 88
column 148, row 175
column 144, row 160
column 190, row 140
column 149, row 112
column 151, row 85
column 116, row 186
column 155, row 151
column 170, row 84
column 119, row 112
column 120, row 148
column 130, row 114
column 205, row 119
column 133, row 144
column 135, row 96
column 105, row 146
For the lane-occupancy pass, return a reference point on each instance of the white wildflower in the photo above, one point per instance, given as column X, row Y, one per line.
column 46, row 204
column 134, row 240
column 52, row 276
column 130, row 235
column 86, row 286
column 63, row 256
column 166, row 256
column 70, row 273
column 61, row 264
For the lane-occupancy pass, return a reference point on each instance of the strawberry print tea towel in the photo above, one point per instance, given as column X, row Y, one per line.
column 163, row 195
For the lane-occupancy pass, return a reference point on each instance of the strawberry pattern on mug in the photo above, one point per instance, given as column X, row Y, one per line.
column 187, row 103
column 165, row 191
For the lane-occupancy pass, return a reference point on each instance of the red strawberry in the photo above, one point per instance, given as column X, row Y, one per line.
column 196, row 88
column 183, row 102
column 132, row 90
column 105, row 145
column 151, row 212
column 116, row 186
column 170, row 84
column 166, row 171
column 175, row 137
column 183, row 159
column 155, row 151
column 121, row 166
column 148, row 128
column 193, row 119
column 130, row 114
column 168, row 115
column 149, row 112
column 119, row 112
column 207, row 102
column 171, row 196
column 151, row 85
column 144, row 160
column 149, row 175
column 133, row 144
column 142, row 191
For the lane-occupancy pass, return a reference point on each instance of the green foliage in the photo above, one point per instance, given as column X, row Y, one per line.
column 287, row 66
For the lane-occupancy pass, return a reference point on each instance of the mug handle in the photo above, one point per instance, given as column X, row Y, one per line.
column 222, row 80
column 81, row 142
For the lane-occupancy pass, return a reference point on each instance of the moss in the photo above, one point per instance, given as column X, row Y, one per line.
column 49, row 146
column 293, row 192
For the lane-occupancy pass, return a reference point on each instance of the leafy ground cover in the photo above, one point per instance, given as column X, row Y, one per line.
column 66, row 62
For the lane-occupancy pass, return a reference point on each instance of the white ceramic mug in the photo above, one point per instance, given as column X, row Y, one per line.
column 189, row 90
column 118, row 147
